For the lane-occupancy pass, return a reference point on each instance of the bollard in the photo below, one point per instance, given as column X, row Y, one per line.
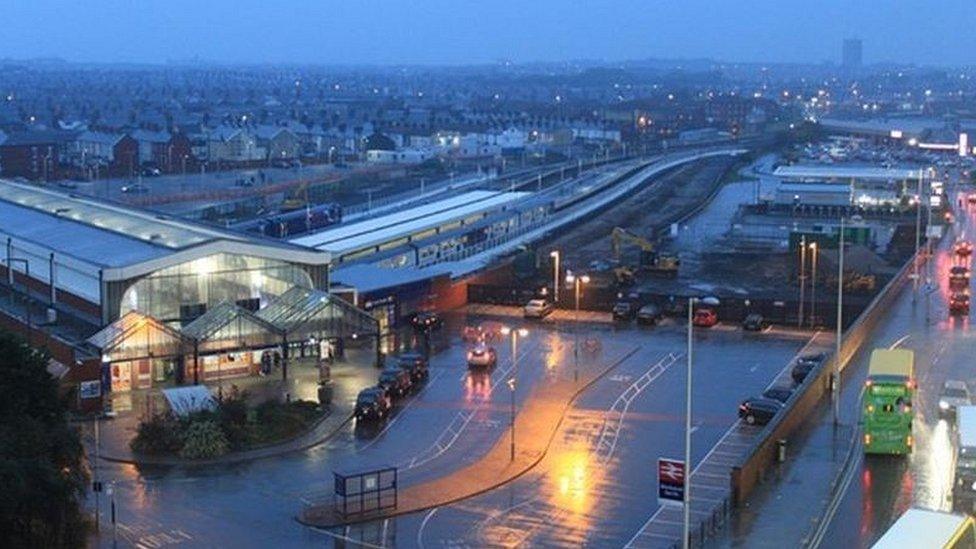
column 781, row 450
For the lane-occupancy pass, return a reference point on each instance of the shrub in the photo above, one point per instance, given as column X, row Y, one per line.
column 203, row 439
column 232, row 416
column 159, row 434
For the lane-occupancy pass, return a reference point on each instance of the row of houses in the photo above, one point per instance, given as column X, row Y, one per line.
column 49, row 154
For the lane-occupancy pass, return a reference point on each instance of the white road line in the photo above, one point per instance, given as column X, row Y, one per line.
column 734, row 426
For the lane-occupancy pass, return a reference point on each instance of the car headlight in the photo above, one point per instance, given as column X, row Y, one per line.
column 943, row 405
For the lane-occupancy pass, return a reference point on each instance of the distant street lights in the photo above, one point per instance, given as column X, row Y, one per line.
column 577, row 282
column 515, row 333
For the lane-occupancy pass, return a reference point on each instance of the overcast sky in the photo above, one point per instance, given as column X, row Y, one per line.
column 939, row 32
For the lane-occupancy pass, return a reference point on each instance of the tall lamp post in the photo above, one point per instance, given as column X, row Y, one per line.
column 577, row 282
column 555, row 275
column 515, row 333
column 803, row 279
column 813, row 284
column 835, row 386
column 687, row 501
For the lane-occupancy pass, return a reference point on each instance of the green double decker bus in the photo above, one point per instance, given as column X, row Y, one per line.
column 888, row 395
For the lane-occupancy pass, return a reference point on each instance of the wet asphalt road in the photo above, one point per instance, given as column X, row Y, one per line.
column 578, row 495
column 884, row 487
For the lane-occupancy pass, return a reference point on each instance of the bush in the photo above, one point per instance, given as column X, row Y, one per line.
column 232, row 418
column 279, row 420
column 160, row 434
column 203, row 439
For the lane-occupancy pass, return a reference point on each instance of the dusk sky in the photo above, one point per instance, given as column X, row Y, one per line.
column 457, row 31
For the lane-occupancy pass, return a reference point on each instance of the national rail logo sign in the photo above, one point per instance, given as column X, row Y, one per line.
column 670, row 481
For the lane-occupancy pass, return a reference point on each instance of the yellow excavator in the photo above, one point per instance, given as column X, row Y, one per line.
column 650, row 260
column 297, row 198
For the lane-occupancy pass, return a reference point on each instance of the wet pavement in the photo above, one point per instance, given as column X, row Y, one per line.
column 596, row 486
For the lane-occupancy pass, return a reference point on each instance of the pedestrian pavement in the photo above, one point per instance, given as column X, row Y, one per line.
column 349, row 377
column 535, row 426
column 558, row 315
column 710, row 479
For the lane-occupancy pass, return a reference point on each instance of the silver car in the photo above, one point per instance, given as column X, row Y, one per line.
column 954, row 394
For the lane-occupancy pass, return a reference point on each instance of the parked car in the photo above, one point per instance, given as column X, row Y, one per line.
column 426, row 320
column 482, row 356
column 963, row 248
column 414, row 364
column 372, row 403
column 804, row 365
column 395, row 381
column 537, row 308
column 959, row 303
column 705, row 318
column 754, row 322
column 624, row 310
column 649, row 314
column 759, row 411
column 959, row 278
column 150, row 171
column 954, row 394
column 781, row 393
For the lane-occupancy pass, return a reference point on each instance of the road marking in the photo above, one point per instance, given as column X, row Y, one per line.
column 900, row 341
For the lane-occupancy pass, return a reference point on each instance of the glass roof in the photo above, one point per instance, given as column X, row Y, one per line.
column 136, row 335
column 302, row 312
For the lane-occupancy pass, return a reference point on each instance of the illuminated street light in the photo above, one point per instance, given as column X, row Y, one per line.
column 515, row 333
column 555, row 275
column 813, row 283
column 577, row 282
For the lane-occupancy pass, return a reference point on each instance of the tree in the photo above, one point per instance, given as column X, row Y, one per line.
column 42, row 472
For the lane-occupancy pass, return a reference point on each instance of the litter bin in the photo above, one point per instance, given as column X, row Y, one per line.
column 781, row 450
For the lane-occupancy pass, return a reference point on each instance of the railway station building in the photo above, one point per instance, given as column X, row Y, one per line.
column 133, row 299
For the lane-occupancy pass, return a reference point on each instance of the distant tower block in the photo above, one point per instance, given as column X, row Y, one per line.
column 852, row 53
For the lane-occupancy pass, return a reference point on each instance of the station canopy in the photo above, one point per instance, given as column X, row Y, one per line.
column 298, row 314
column 305, row 313
column 136, row 336
column 227, row 327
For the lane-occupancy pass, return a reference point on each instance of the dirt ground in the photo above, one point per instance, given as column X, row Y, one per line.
column 647, row 211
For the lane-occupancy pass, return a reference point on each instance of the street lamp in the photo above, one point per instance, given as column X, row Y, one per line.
column 687, row 476
column 515, row 333
column 813, row 283
column 577, row 282
column 835, row 380
column 555, row 275
column 803, row 279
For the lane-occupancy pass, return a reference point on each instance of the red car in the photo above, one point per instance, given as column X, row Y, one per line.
column 959, row 278
column 959, row 303
column 964, row 248
column 705, row 318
